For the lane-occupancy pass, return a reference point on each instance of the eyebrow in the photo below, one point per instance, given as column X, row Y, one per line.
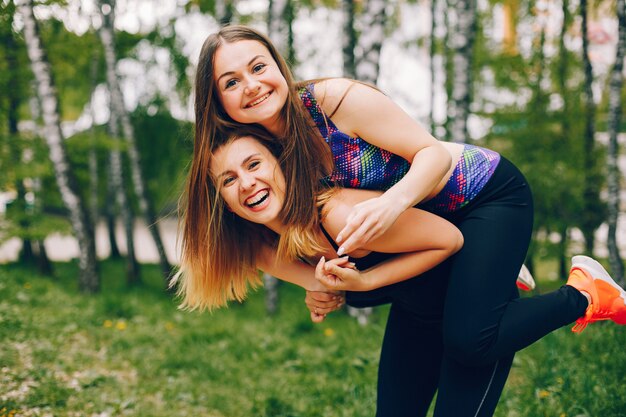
column 242, row 163
column 232, row 72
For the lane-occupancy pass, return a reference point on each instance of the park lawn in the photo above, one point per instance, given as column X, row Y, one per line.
column 131, row 352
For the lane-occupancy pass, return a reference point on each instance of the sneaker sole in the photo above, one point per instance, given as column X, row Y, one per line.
column 525, row 280
column 597, row 271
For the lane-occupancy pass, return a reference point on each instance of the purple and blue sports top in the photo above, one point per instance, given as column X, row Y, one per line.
column 359, row 164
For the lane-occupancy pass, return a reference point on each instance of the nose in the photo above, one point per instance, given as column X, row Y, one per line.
column 252, row 86
column 247, row 181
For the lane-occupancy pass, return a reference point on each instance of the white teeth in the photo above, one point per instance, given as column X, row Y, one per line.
column 260, row 99
column 257, row 198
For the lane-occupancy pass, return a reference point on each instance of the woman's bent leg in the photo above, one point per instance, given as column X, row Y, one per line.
column 485, row 322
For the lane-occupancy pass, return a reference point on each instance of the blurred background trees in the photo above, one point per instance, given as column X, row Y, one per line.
column 541, row 82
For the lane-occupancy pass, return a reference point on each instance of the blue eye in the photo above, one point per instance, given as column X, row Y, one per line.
column 258, row 67
column 227, row 181
column 230, row 83
column 253, row 164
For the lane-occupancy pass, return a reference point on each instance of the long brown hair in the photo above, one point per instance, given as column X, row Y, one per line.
column 305, row 159
column 227, row 268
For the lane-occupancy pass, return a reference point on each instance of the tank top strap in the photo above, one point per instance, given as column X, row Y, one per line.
column 329, row 238
column 323, row 122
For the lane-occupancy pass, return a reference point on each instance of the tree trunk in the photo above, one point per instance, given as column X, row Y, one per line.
column 89, row 280
column 433, row 51
column 278, row 27
column 448, row 65
column 43, row 262
column 133, row 274
column 590, row 189
column 93, row 156
column 562, row 254
column 349, row 39
column 110, row 216
column 462, row 44
column 224, row 11
column 614, row 119
column 370, row 41
column 117, row 105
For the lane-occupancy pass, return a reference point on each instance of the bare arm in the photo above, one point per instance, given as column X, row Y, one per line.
column 421, row 239
column 319, row 300
column 369, row 114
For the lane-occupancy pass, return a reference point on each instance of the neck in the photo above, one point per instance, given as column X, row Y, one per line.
column 276, row 225
column 276, row 126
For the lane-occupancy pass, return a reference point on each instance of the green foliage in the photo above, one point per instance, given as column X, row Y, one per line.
column 132, row 352
column 77, row 65
column 165, row 145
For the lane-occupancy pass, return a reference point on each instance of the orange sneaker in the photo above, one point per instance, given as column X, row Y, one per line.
column 608, row 300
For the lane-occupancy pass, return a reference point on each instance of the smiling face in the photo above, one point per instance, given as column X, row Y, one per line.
column 249, row 83
column 250, row 181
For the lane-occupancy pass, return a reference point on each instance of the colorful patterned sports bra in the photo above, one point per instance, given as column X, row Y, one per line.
column 359, row 164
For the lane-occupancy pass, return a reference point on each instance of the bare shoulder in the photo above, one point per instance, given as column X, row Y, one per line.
column 329, row 92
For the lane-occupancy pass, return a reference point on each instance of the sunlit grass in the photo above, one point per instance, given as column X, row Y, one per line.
column 131, row 352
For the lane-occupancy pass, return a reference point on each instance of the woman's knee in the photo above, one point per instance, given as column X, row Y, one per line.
column 468, row 345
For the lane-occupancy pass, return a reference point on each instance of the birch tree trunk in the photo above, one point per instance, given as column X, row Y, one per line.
column 462, row 40
column 118, row 185
column 89, row 280
column 224, row 11
column 370, row 41
column 280, row 17
column 566, row 130
column 349, row 39
column 93, row 157
column 110, row 214
column 117, row 105
column 448, row 64
column 433, row 51
column 614, row 119
column 590, row 189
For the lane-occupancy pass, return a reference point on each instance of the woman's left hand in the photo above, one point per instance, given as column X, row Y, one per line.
column 338, row 275
column 367, row 221
column 320, row 303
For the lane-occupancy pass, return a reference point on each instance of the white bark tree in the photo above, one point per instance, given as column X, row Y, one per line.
column 372, row 35
column 614, row 175
column 224, row 11
column 349, row 39
column 89, row 280
column 117, row 177
column 118, row 182
column 462, row 43
column 589, row 223
column 107, row 9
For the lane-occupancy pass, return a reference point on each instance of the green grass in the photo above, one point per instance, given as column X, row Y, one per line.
column 130, row 352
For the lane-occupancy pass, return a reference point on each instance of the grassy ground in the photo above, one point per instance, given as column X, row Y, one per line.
column 130, row 352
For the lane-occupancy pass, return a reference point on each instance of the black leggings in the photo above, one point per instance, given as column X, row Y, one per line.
column 455, row 329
